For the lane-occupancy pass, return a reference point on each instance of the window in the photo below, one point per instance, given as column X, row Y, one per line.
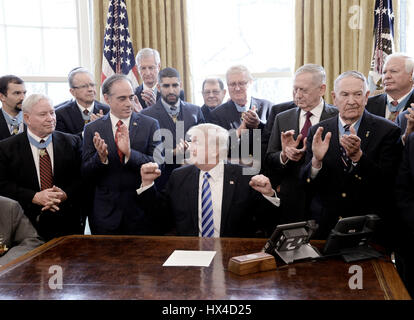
column 407, row 26
column 41, row 43
column 256, row 33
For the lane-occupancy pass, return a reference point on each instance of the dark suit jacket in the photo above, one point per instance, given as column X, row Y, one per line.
column 4, row 129
column 116, row 209
column 378, row 104
column 69, row 118
column 267, row 130
column 19, row 181
column 402, row 121
column 18, row 233
column 243, row 211
column 292, row 193
column 405, row 185
column 207, row 113
column 139, row 90
column 227, row 116
column 363, row 190
column 190, row 115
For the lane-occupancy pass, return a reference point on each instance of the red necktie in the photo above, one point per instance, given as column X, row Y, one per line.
column 120, row 154
column 307, row 125
column 45, row 168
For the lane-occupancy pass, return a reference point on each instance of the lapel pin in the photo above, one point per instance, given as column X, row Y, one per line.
column 134, row 123
column 231, row 182
column 367, row 134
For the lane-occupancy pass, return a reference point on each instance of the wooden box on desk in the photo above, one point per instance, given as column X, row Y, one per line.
column 252, row 263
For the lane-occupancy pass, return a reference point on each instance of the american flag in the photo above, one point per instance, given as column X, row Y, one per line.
column 118, row 54
column 383, row 40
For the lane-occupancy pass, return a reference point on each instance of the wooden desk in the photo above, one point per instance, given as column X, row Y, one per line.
column 105, row 267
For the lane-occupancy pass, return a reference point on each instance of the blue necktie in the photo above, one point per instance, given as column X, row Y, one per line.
column 207, row 225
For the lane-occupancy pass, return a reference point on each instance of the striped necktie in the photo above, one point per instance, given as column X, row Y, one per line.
column 45, row 169
column 207, row 225
column 346, row 161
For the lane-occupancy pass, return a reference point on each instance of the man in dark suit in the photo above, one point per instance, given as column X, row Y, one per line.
column 397, row 77
column 149, row 65
column 213, row 94
column 210, row 198
column 404, row 255
column 241, row 115
column 405, row 121
column 16, row 232
column 40, row 169
column 285, row 152
column 114, row 148
column 351, row 170
column 72, row 115
column 12, row 93
column 175, row 118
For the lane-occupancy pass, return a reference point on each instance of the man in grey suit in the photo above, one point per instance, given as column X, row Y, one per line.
column 286, row 149
column 16, row 232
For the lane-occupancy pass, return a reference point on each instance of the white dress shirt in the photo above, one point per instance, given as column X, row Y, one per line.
column 35, row 152
column 90, row 108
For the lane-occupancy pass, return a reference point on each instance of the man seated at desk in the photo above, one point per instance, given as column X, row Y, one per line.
column 210, row 198
column 17, row 234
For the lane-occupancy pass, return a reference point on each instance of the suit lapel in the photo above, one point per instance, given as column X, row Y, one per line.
column 29, row 167
column 364, row 130
column 76, row 116
column 133, row 125
column 4, row 130
column 193, row 179
column 229, row 184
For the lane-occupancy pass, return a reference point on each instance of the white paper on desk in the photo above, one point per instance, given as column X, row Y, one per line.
column 181, row 258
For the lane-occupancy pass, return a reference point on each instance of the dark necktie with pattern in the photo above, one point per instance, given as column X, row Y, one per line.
column 346, row 161
column 307, row 125
column 120, row 154
column 45, row 169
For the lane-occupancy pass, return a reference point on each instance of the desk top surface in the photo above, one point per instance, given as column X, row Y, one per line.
column 108, row 267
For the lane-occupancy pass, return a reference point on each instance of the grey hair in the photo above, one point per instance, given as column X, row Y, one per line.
column 215, row 134
column 74, row 72
column 108, row 83
column 239, row 69
column 317, row 71
column 409, row 61
column 33, row 99
column 353, row 74
column 148, row 52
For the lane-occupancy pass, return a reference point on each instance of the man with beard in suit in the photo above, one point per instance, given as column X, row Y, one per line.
column 285, row 152
column 12, row 93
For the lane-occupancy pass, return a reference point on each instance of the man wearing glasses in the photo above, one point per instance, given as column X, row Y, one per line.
column 71, row 116
column 149, row 65
column 213, row 94
column 242, row 113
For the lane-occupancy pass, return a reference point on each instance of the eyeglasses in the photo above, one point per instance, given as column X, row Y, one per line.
column 85, row 86
column 240, row 84
column 214, row 92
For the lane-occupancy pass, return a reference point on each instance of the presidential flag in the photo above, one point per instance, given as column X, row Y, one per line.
column 383, row 41
column 118, row 54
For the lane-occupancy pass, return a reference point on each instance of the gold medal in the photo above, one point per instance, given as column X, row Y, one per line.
column 42, row 152
column 15, row 129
